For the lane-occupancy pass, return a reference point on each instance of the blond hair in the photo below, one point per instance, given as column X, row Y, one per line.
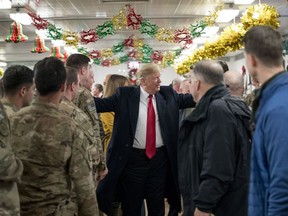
column 113, row 83
column 147, row 69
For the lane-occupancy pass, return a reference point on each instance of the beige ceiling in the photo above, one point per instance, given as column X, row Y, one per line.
column 78, row 15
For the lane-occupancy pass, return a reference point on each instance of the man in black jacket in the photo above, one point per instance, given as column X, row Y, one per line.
column 213, row 151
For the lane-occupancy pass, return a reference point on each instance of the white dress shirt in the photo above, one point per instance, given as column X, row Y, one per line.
column 140, row 133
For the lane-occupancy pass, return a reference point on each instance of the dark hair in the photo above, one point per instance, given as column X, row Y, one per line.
column 98, row 86
column 77, row 61
column 15, row 77
column 224, row 65
column 72, row 75
column 266, row 44
column 50, row 74
column 210, row 71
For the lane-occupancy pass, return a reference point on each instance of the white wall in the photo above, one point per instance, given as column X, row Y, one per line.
column 168, row 74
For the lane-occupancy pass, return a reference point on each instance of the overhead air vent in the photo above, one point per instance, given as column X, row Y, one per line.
column 124, row 1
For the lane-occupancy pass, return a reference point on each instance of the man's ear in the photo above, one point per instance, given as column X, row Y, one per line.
column 22, row 91
column 252, row 59
column 63, row 87
column 83, row 70
column 198, row 84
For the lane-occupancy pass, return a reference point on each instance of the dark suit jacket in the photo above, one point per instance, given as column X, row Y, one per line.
column 125, row 104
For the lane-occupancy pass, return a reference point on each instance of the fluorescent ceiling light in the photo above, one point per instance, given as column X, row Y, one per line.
column 210, row 31
column 22, row 18
column 243, row 2
column 101, row 14
column 3, row 64
column 226, row 15
column 5, row 4
column 58, row 42
column 199, row 40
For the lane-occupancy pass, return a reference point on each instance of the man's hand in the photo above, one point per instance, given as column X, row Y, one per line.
column 197, row 212
column 101, row 174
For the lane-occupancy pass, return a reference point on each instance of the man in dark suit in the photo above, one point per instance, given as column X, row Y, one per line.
column 142, row 157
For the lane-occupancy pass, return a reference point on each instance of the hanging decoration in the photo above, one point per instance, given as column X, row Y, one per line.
column 197, row 29
column 126, row 18
column 55, row 52
column 133, row 75
column 148, row 28
column 105, row 29
column 66, row 55
column 144, row 53
column 119, row 21
column 38, row 22
column 71, row 38
column 231, row 38
column 133, row 19
column 1, row 72
column 39, row 45
column 53, row 32
column 183, row 37
column 94, row 54
column 16, row 34
column 89, row 36
column 165, row 35
column 260, row 14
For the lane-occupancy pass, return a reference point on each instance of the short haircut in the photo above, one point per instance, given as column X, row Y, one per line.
column 15, row 77
column 98, row 86
column 77, row 61
column 234, row 80
column 50, row 74
column 224, row 65
column 266, row 44
column 210, row 72
column 72, row 75
column 148, row 69
column 113, row 83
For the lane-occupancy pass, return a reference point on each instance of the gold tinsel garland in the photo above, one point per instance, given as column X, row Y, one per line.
column 1, row 72
column 231, row 38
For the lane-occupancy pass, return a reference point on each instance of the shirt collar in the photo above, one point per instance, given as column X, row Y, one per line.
column 144, row 94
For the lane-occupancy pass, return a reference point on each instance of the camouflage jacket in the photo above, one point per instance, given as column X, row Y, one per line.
column 84, row 100
column 53, row 151
column 9, row 108
column 11, row 169
column 70, row 109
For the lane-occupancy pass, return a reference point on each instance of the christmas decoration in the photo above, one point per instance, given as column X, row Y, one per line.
column 95, row 54
column 38, row 22
column 148, row 28
column 106, row 63
column 16, row 34
column 118, row 48
column 71, row 38
column 133, row 75
column 55, row 52
column 197, row 29
column 182, row 37
column 133, row 19
column 119, row 21
column 54, row 32
column 165, row 35
column 88, row 36
column 39, row 45
column 105, row 29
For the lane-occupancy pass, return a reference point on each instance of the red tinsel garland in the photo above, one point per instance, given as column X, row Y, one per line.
column 88, row 36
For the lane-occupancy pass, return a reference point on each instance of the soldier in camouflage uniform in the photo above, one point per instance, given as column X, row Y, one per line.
column 53, row 151
column 18, row 87
column 84, row 100
column 11, row 169
column 70, row 109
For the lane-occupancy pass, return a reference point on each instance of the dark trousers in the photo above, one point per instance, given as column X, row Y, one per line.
column 144, row 178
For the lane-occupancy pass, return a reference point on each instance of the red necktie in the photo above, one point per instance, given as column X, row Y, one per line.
column 151, row 130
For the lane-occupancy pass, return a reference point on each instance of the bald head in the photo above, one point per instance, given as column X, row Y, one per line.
column 234, row 82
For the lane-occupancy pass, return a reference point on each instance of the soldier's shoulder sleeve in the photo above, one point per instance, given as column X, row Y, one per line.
column 10, row 167
column 80, row 169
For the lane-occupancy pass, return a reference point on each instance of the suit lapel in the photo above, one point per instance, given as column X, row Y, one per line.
column 161, row 108
column 133, row 101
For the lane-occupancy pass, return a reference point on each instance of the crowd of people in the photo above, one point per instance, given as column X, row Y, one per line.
column 72, row 147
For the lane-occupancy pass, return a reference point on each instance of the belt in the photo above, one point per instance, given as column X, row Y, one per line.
column 161, row 148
